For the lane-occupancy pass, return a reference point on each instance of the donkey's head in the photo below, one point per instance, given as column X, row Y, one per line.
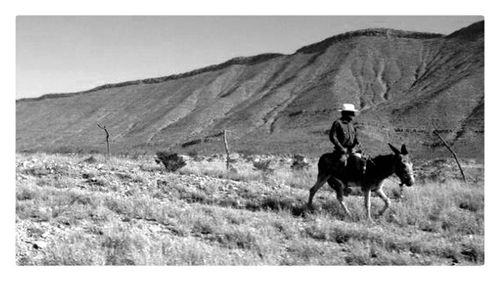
column 403, row 165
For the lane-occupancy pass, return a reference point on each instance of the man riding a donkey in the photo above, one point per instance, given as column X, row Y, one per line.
column 344, row 167
column 344, row 137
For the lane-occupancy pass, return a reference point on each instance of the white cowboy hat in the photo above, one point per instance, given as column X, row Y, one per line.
column 348, row 107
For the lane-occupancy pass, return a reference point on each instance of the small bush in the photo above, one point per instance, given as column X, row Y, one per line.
column 119, row 249
column 171, row 161
column 263, row 165
column 90, row 160
column 299, row 162
column 25, row 194
column 237, row 238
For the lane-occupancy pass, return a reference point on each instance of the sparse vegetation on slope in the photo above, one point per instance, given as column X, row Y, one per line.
column 274, row 103
column 72, row 210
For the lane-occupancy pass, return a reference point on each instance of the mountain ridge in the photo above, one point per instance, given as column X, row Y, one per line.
column 253, row 59
column 284, row 103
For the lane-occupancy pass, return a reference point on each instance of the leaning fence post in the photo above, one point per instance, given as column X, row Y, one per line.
column 454, row 156
column 450, row 150
column 226, row 146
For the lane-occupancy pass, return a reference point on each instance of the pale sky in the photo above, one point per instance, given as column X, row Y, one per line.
column 57, row 54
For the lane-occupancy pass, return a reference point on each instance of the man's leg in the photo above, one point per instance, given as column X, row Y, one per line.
column 345, row 162
column 357, row 166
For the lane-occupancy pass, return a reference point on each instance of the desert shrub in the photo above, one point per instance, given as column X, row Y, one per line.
column 90, row 160
column 23, row 193
column 263, row 165
column 150, row 168
column 299, row 162
column 203, row 227
column 302, row 252
column 273, row 203
column 123, row 248
column 171, row 161
column 75, row 249
column 36, row 171
column 237, row 238
column 91, row 179
column 29, row 209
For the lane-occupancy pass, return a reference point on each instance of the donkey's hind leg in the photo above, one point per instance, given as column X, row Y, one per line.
column 322, row 178
column 339, row 187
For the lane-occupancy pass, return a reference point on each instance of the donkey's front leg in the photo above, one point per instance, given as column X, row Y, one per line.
column 367, row 194
column 386, row 200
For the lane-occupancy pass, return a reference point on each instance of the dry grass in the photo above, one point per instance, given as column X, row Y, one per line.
column 131, row 212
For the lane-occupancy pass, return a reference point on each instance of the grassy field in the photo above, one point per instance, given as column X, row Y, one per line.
column 82, row 210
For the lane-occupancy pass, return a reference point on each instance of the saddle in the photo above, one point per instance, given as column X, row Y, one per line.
column 352, row 165
column 356, row 164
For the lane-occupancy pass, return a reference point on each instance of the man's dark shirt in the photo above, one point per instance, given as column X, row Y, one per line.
column 343, row 134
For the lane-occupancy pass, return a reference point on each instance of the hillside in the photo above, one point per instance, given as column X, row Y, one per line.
column 277, row 103
column 80, row 210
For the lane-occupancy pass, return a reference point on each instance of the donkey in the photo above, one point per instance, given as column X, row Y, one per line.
column 377, row 170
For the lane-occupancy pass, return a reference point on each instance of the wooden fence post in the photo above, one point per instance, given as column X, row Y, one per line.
column 450, row 150
column 226, row 146
column 107, row 139
column 454, row 155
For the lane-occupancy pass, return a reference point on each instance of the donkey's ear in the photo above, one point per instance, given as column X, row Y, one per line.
column 403, row 150
column 394, row 149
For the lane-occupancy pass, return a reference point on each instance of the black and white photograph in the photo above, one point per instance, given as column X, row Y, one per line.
column 249, row 140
